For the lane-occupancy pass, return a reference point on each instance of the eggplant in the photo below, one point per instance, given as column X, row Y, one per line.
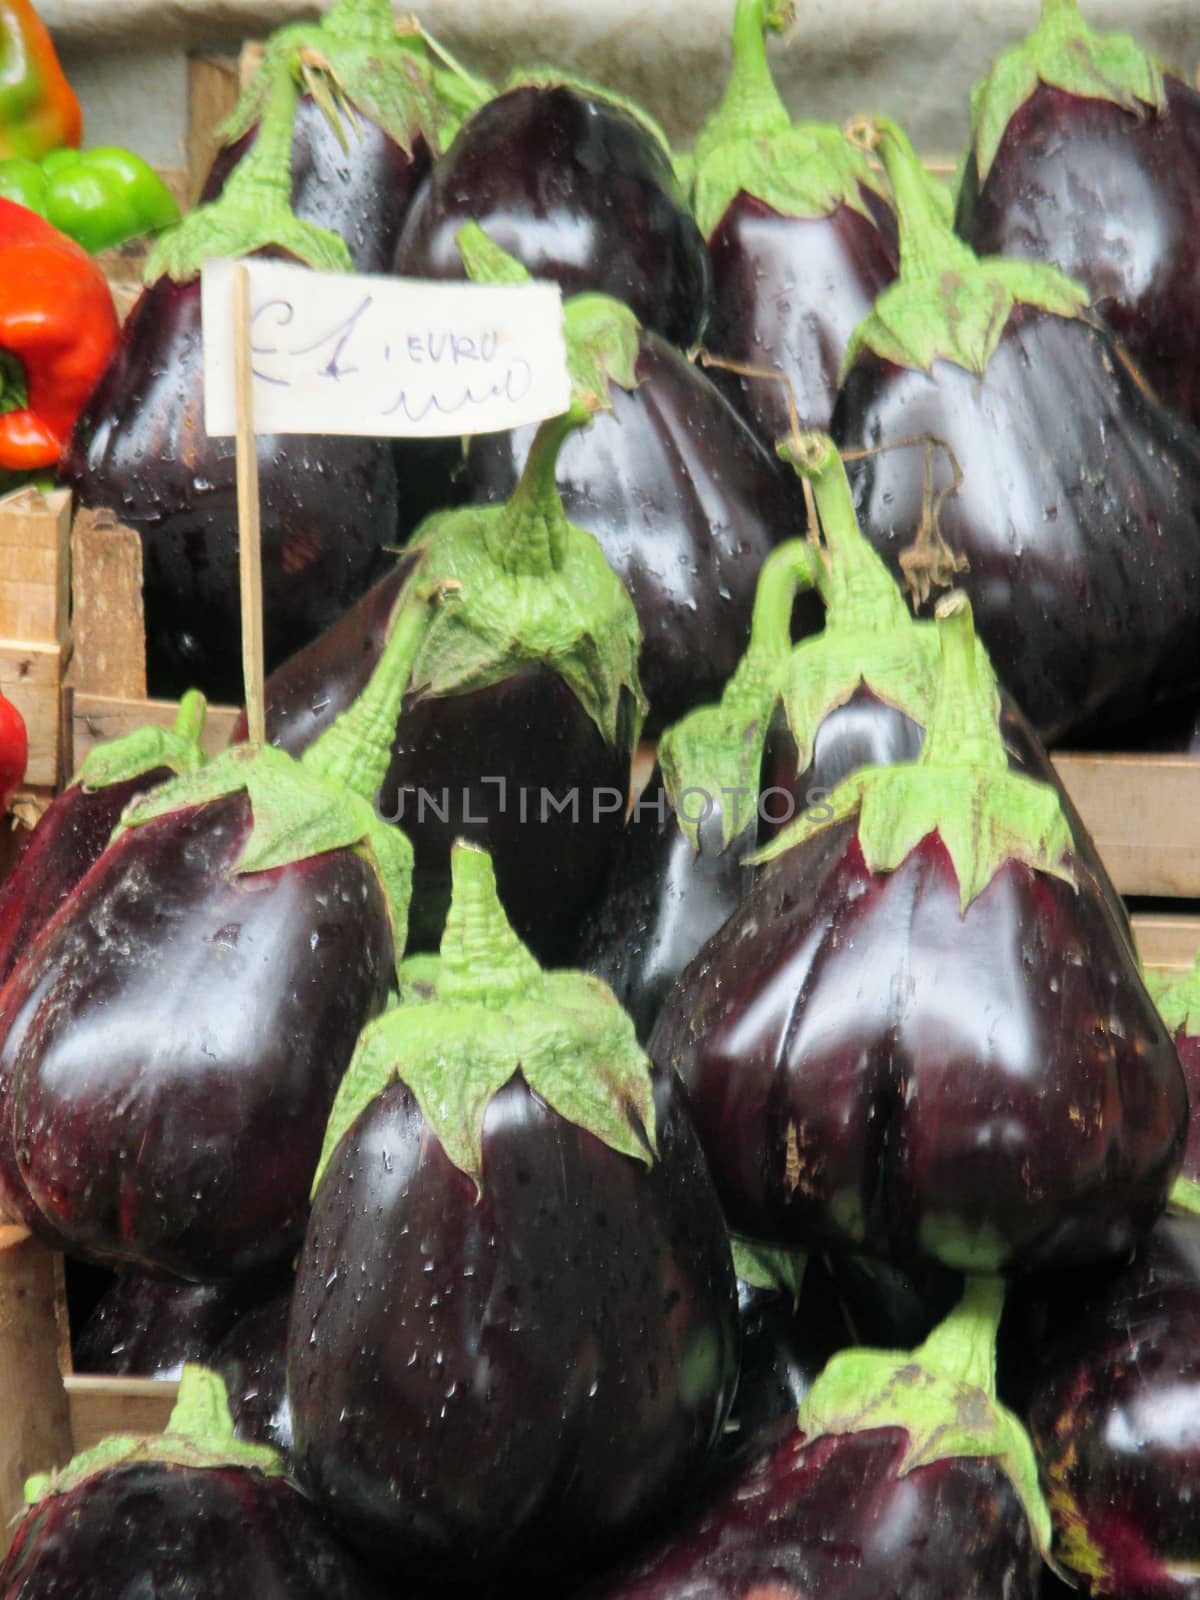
column 801, row 238
column 1114, row 1411
column 172, row 1044
column 686, row 505
column 923, row 1034
column 1086, row 155
column 793, row 722
column 74, row 829
column 879, row 1490
column 514, row 1328
column 363, row 136
column 329, row 506
column 518, row 739
column 1059, row 490
column 147, row 1327
column 252, row 1361
column 195, row 1514
column 580, row 189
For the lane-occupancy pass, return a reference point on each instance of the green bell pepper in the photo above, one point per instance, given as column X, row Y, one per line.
column 97, row 197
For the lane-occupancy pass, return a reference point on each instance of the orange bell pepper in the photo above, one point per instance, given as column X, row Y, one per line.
column 57, row 331
column 38, row 108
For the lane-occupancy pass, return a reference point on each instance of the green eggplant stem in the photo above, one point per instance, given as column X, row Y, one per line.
column 357, row 748
column 529, row 538
column 266, row 168
column 792, row 566
column 482, row 960
column 963, row 1345
column 1051, row 7
column 191, row 716
column 856, row 587
column 928, row 246
column 751, row 105
column 364, row 21
column 962, row 728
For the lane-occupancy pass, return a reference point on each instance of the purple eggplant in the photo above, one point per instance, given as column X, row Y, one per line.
column 74, row 829
column 924, row 1034
column 523, row 743
column 148, row 1327
column 686, row 505
column 329, row 506
column 579, row 189
column 902, row 1479
column 1114, row 1413
column 171, row 1046
column 195, row 1514
column 363, row 136
column 514, row 1328
column 801, row 238
column 857, row 694
column 252, row 1361
column 1061, row 493
column 1086, row 155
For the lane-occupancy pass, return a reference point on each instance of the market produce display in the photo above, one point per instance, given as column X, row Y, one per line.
column 779, row 1184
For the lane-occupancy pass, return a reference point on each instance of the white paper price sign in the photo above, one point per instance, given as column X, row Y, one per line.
column 364, row 354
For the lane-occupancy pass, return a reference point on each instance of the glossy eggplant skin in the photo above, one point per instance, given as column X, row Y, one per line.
column 580, row 193
column 525, row 1373
column 870, row 1069
column 360, row 190
column 252, row 1360
column 786, row 1342
column 68, row 840
column 663, row 901
column 1114, row 1415
column 140, row 448
column 170, row 1050
column 1079, row 512
column 1111, row 198
column 837, row 1519
column 496, row 766
column 686, row 505
column 148, row 1327
column 787, row 294
column 196, row 1534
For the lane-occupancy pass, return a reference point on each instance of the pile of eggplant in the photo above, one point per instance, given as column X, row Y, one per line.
column 779, row 1181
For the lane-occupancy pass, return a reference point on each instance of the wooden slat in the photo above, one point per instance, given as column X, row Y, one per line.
column 35, row 566
column 98, row 717
column 101, row 1406
column 1144, row 814
column 108, row 622
column 35, row 1431
column 1167, row 943
column 213, row 90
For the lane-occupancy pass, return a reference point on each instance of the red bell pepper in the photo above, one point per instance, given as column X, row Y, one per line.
column 14, row 751
column 57, row 331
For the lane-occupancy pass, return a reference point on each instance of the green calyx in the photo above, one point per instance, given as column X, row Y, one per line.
column 750, row 145
column 1064, row 53
column 504, row 587
column 177, row 748
column 352, row 61
column 943, row 1395
column 297, row 812
column 718, row 750
column 1185, row 1197
column 14, row 383
column 959, row 788
column 199, row 1434
column 484, row 1011
column 763, row 1266
column 254, row 210
column 1177, row 996
column 948, row 304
